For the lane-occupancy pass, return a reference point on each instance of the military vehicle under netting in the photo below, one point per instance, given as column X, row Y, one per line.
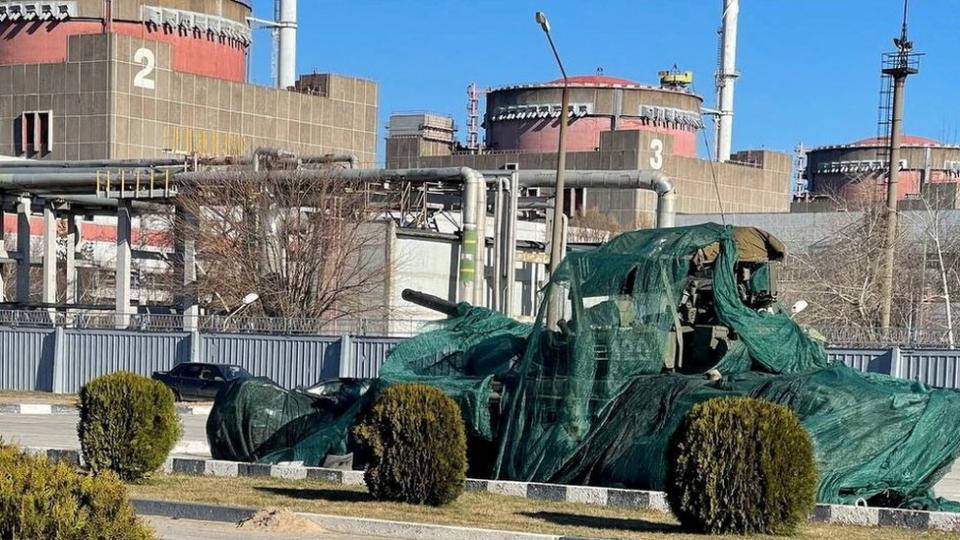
column 629, row 337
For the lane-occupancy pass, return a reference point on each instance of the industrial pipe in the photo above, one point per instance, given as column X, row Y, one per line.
column 30, row 181
column 273, row 152
column 92, row 164
column 473, row 184
column 332, row 158
column 650, row 180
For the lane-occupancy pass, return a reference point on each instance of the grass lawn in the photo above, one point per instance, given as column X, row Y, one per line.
column 483, row 510
column 18, row 396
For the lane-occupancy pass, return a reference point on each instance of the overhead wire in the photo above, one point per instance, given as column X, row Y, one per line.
column 713, row 173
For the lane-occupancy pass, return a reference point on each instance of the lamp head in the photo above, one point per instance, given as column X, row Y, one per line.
column 541, row 18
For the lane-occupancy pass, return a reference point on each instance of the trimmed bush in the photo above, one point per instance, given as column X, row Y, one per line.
column 741, row 465
column 40, row 500
column 415, row 443
column 128, row 424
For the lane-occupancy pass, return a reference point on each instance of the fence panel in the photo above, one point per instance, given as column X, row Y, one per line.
column 88, row 354
column 290, row 361
column 26, row 359
column 932, row 367
column 366, row 355
column 863, row 360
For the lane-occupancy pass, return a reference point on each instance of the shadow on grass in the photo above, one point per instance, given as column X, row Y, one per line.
column 331, row 495
column 596, row 522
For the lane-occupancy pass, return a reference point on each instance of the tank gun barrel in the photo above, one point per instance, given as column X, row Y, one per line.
column 430, row 301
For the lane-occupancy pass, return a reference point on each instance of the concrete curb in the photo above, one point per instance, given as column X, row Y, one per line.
column 336, row 524
column 197, row 511
column 37, row 408
column 60, row 408
column 598, row 496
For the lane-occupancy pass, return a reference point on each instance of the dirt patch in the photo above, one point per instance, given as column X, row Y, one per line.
column 279, row 520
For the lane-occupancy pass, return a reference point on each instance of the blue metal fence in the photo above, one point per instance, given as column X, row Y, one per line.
column 64, row 359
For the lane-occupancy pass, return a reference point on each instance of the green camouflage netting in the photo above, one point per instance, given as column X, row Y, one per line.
column 583, row 396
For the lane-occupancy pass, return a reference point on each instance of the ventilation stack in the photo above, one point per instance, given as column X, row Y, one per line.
column 726, row 76
column 287, row 24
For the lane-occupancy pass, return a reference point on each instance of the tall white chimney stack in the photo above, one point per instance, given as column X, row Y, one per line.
column 287, row 62
column 726, row 76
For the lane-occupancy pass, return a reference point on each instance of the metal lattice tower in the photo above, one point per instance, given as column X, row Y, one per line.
column 800, row 182
column 473, row 117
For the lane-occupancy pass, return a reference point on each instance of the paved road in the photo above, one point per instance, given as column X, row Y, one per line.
column 60, row 431
column 184, row 529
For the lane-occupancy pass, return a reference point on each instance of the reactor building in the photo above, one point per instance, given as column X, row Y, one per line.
column 614, row 124
column 124, row 79
column 857, row 173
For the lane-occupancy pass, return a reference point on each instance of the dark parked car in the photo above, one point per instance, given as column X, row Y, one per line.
column 193, row 381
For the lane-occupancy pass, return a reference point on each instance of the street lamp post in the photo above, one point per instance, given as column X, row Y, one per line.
column 247, row 300
column 556, row 242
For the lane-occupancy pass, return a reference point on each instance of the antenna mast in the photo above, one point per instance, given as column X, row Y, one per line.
column 896, row 66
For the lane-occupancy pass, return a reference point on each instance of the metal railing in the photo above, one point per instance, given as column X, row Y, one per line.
column 148, row 322
column 852, row 336
column 836, row 336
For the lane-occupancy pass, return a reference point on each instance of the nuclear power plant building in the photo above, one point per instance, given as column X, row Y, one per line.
column 161, row 78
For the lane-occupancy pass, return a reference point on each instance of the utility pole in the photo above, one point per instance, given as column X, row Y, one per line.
column 898, row 65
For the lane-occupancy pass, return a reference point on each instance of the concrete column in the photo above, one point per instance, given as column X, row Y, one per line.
column 510, row 258
column 49, row 295
column 73, row 241
column 23, row 247
column 3, row 255
column 123, row 268
column 185, row 267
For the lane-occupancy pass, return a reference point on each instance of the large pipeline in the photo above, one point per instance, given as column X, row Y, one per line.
column 92, row 164
column 650, row 180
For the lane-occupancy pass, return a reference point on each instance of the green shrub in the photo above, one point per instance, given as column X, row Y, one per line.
column 128, row 424
column 741, row 465
column 43, row 500
column 415, row 442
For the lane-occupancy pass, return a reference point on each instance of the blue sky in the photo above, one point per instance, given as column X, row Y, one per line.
column 810, row 68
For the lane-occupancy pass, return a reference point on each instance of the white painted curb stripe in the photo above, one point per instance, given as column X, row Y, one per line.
column 35, row 408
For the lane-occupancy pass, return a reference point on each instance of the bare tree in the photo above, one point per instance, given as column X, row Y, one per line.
column 594, row 226
column 839, row 276
column 307, row 248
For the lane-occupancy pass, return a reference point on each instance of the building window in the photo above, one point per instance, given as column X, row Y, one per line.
column 33, row 132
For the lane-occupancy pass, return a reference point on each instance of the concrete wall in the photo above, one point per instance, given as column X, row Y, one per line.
column 189, row 113
column 77, row 93
column 99, row 111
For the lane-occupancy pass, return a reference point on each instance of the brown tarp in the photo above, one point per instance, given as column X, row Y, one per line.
column 753, row 245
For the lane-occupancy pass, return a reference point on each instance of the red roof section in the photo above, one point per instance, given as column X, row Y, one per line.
column 911, row 140
column 601, row 80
